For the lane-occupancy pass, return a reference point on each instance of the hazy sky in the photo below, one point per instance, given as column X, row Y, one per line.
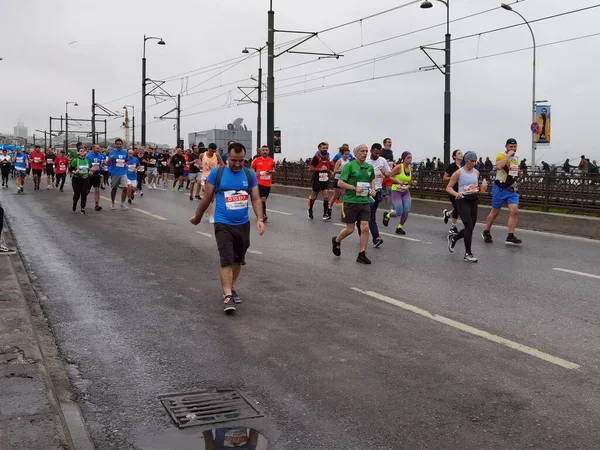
column 491, row 97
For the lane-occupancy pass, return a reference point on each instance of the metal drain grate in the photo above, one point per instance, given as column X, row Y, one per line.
column 208, row 406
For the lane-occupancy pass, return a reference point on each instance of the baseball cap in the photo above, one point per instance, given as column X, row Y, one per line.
column 511, row 141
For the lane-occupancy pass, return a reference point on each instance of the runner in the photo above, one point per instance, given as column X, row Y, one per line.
column 320, row 168
column 186, row 169
column 105, row 171
column 132, row 166
column 195, row 176
column 152, row 169
column 505, row 190
column 38, row 160
column 96, row 160
column 142, row 157
column 382, row 171
column 457, row 156
column 358, row 181
column 80, row 169
column 178, row 163
column 21, row 163
column 49, row 167
column 5, row 167
column 467, row 200
column 232, row 186
column 61, row 163
column 209, row 161
column 264, row 166
column 164, row 166
column 117, row 166
column 387, row 151
column 337, row 170
column 400, row 198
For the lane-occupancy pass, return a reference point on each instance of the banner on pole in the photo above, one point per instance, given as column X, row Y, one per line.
column 277, row 141
column 541, row 133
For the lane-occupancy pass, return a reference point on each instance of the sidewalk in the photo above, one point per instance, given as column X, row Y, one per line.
column 30, row 411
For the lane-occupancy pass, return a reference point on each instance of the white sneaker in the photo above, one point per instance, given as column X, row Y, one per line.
column 124, row 207
column 49, row 187
column 470, row 258
column 112, row 206
column 4, row 249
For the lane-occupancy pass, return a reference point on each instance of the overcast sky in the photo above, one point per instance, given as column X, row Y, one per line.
column 491, row 97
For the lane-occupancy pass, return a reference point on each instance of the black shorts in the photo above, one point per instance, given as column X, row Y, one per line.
column 335, row 183
column 232, row 241
column 37, row 172
column 264, row 191
column 163, row 169
column 50, row 171
column 356, row 212
column 95, row 181
column 177, row 174
column 319, row 186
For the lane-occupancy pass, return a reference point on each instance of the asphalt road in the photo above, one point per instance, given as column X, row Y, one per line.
column 418, row 350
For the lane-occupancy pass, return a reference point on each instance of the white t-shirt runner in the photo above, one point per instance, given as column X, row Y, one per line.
column 378, row 164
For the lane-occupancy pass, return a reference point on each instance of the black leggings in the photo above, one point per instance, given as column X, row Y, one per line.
column 80, row 189
column 467, row 209
column 454, row 208
column 5, row 172
column 140, row 180
column 60, row 179
column 105, row 174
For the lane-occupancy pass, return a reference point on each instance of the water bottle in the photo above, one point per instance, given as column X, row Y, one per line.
column 484, row 185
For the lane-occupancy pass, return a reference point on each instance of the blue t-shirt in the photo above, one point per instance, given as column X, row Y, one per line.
column 338, row 155
column 96, row 161
column 21, row 161
column 233, row 198
column 132, row 166
column 224, row 158
column 117, row 166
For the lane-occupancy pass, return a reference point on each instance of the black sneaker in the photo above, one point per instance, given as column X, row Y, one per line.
column 513, row 240
column 197, row 197
column 336, row 247
column 327, row 215
column 74, row 208
column 400, row 231
column 386, row 219
column 129, row 201
column 83, row 211
column 309, row 213
column 451, row 242
column 235, row 297
column 98, row 208
column 487, row 237
column 362, row 258
column 453, row 230
column 191, row 198
column 228, row 305
column 445, row 216
column 377, row 242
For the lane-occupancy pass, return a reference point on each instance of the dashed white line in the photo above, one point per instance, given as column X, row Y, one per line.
column 140, row 210
column 574, row 272
column 387, row 234
column 208, row 235
column 279, row 212
column 474, row 331
column 256, row 252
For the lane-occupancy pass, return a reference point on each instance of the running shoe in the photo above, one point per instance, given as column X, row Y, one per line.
column 74, row 208
column 336, row 248
column 4, row 249
column 197, row 197
column 173, row 188
column 129, row 201
column 377, row 242
column 124, row 207
column 228, row 305
column 112, row 206
column 83, row 211
column 453, row 230
column 180, row 189
column 451, row 242
column 386, row 219
column 48, row 188
column 445, row 215
column 470, row 258
column 362, row 258
column 487, row 237
column 513, row 240
column 191, row 198
column 328, row 215
column 141, row 194
column 309, row 213
column 98, row 208
column 400, row 230
column 235, row 297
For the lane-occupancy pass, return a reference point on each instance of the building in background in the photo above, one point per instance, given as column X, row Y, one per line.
column 20, row 130
column 234, row 132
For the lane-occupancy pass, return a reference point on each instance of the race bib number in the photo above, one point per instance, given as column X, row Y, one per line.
column 323, row 177
column 120, row 163
column 513, row 171
column 83, row 169
column 378, row 177
column 264, row 175
column 153, row 161
column 141, row 168
column 95, row 166
column 49, row 161
column 19, row 159
column 37, row 159
column 62, row 167
column 471, row 189
column 235, row 200
column 164, row 163
column 131, row 168
column 365, row 186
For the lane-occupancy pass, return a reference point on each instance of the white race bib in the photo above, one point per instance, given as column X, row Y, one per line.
column 141, row 168
column 365, row 186
column 49, row 161
column 131, row 168
column 83, row 169
column 471, row 189
column 37, row 159
column 95, row 166
column 513, row 171
column 236, row 199
column 164, row 163
column 323, row 176
column 153, row 162
column 264, row 175
column 62, row 167
column 120, row 163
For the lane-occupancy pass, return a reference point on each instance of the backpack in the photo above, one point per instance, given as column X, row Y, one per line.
column 220, row 175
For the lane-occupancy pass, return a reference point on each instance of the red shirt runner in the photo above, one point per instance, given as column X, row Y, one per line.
column 37, row 160
column 61, row 163
column 261, row 166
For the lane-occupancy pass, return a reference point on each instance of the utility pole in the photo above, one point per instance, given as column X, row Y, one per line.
column 271, row 82
column 93, row 116
column 50, row 131
column 178, row 119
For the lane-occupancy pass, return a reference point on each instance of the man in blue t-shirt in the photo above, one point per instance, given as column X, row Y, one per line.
column 21, row 163
column 96, row 159
column 117, row 166
column 233, row 191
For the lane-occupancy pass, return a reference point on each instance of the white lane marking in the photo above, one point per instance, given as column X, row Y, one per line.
column 160, row 189
column 279, row 212
column 256, row 252
column 475, row 331
column 158, row 217
column 142, row 211
column 386, row 234
column 208, row 235
column 574, row 272
column 10, row 252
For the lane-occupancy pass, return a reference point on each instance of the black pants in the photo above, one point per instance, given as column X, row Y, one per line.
column 105, row 174
column 1, row 220
column 60, row 180
column 140, row 180
column 454, row 208
column 5, row 171
column 467, row 210
column 80, row 189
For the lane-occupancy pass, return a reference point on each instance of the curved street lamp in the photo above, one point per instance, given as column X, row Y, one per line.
column 160, row 42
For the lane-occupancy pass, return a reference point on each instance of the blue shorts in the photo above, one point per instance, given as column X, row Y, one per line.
column 500, row 196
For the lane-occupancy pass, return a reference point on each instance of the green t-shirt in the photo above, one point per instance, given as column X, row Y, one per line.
column 354, row 173
column 82, row 165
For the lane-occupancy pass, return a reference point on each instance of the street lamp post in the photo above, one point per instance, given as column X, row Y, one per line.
column 67, row 124
column 259, row 102
column 447, row 94
column 533, row 102
column 160, row 42
column 132, row 123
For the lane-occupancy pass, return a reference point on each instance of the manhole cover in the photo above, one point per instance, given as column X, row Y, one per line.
column 209, row 406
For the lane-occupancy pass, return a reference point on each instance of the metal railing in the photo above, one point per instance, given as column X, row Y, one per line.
column 572, row 192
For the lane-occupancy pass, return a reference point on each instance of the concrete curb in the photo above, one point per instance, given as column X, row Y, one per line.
column 56, row 420
column 572, row 225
